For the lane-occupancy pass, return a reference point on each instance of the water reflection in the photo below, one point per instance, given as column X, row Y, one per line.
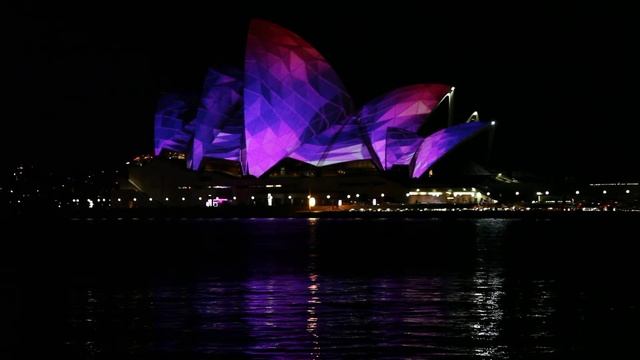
column 487, row 292
column 314, row 286
column 285, row 294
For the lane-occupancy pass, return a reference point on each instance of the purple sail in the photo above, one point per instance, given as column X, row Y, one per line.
column 171, row 131
column 436, row 145
column 392, row 120
column 401, row 146
column 339, row 143
column 405, row 108
column 218, row 126
column 290, row 103
column 291, row 94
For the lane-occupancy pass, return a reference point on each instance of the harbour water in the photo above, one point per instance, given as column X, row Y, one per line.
column 319, row 288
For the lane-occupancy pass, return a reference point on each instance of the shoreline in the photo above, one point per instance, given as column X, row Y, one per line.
column 244, row 213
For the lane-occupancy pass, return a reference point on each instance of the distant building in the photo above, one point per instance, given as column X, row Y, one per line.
column 285, row 127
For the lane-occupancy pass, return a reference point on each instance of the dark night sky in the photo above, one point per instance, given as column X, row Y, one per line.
column 560, row 81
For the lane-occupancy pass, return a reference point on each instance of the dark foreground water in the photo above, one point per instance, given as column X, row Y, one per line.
column 319, row 288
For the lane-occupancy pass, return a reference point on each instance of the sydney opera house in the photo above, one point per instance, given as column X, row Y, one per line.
column 287, row 116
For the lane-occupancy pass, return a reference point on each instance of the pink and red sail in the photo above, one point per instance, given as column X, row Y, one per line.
column 291, row 95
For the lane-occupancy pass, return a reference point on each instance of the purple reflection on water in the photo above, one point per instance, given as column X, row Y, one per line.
column 276, row 309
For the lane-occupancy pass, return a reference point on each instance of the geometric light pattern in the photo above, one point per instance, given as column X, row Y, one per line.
column 291, row 94
column 401, row 146
column 170, row 132
column 289, row 102
column 218, row 127
column 339, row 143
column 405, row 108
column 436, row 145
